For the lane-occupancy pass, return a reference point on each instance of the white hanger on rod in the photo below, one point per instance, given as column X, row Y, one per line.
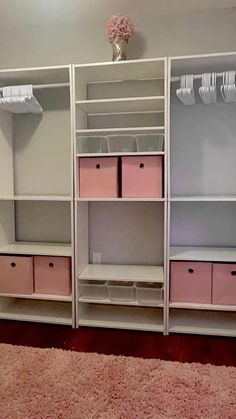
column 228, row 88
column 186, row 91
column 207, row 91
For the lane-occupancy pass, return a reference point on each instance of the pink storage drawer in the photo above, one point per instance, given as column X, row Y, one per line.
column 191, row 282
column 16, row 275
column 98, row 177
column 52, row 275
column 142, row 176
column 224, row 284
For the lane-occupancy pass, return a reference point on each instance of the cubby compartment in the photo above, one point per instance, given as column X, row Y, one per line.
column 41, row 221
column 202, row 322
column 121, row 317
column 125, row 262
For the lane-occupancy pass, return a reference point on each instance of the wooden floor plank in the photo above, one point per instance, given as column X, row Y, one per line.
column 183, row 348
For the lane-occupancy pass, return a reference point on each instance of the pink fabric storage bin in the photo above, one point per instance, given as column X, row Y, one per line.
column 142, row 176
column 191, row 282
column 98, row 177
column 52, row 275
column 224, row 284
column 16, row 275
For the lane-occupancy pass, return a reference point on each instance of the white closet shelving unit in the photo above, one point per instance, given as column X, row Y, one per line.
column 36, row 187
column 202, row 190
column 128, row 235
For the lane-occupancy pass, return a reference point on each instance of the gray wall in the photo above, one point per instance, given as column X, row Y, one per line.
column 47, row 32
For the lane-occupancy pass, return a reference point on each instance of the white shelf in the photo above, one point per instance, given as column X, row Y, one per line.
column 42, row 297
column 35, row 75
column 123, row 105
column 121, row 71
column 56, row 198
column 203, row 198
column 134, row 318
column 120, row 199
column 35, row 311
column 134, row 153
column 123, row 273
column 134, row 303
column 197, row 306
column 203, row 322
column 90, row 131
column 41, row 249
column 205, row 254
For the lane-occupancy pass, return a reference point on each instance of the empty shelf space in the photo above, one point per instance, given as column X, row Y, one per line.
column 121, row 70
column 203, row 322
column 134, row 318
column 123, row 273
column 130, row 130
column 46, row 297
column 35, row 311
column 44, row 249
column 122, row 105
column 205, row 254
column 198, row 306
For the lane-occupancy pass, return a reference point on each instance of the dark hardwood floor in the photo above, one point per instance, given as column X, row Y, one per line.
column 183, row 348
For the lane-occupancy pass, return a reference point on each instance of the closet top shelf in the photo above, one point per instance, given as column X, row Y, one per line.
column 35, row 76
column 121, row 71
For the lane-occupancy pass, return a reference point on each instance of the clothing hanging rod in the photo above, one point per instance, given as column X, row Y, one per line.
column 195, row 77
column 46, row 86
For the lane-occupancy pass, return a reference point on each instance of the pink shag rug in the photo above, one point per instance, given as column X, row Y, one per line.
column 56, row 384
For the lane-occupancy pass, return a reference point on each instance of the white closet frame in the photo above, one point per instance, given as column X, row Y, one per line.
column 119, row 315
column 195, row 318
column 39, row 308
column 192, row 318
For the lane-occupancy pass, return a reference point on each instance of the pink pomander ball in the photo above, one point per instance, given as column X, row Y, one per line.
column 119, row 26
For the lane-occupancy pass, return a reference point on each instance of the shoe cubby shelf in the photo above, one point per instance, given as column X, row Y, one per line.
column 125, row 237
column 123, row 273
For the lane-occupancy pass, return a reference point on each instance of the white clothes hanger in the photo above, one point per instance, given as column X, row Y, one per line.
column 207, row 91
column 186, row 91
column 228, row 88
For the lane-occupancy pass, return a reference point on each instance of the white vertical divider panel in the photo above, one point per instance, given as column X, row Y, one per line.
column 79, row 121
column 6, row 155
column 72, row 119
column 167, row 244
column 166, row 121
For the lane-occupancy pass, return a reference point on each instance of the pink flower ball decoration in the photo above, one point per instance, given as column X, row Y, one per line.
column 119, row 26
